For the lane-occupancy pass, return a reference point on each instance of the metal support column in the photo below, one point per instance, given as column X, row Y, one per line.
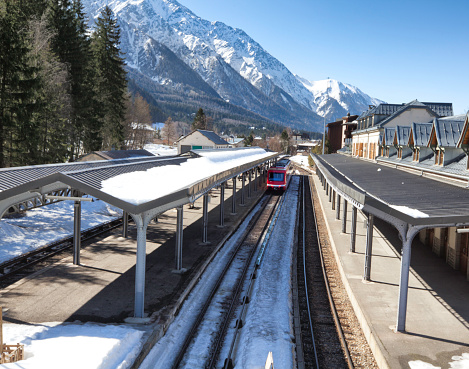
column 369, row 247
column 249, row 185
column 222, row 205
column 255, row 179
column 407, row 238
column 333, row 199
column 337, row 205
column 76, row 232
column 353, row 229
column 344, row 217
column 140, row 268
column 205, row 220
column 243, row 182
column 125, row 224
column 179, row 238
column 233, row 198
column 327, row 190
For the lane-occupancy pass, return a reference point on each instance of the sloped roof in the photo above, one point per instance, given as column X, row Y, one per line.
column 389, row 134
column 442, row 109
column 421, row 133
column 134, row 185
column 122, row 154
column 464, row 139
column 403, row 134
column 403, row 108
column 439, row 109
column 212, row 136
column 448, row 132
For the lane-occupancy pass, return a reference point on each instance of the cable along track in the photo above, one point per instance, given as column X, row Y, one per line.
column 323, row 342
column 222, row 309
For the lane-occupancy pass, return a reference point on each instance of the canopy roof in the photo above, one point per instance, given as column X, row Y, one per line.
column 134, row 185
column 410, row 198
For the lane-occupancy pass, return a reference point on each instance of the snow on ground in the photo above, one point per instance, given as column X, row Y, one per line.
column 300, row 159
column 140, row 187
column 59, row 346
column 164, row 352
column 40, row 226
column 161, row 150
column 268, row 324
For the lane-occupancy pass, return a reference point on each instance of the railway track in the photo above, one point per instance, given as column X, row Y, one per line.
column 356, row 352
column 324, row 345
column 23, row 265
column 225, row 307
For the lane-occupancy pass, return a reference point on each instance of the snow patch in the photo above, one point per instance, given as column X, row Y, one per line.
column 414, row 213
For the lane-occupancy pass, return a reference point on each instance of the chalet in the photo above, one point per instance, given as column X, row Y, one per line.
column 373, row 122
column 200, row 139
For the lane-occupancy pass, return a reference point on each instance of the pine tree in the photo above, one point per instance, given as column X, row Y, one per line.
column 200, row 121
column 17, row 83
column 111, row 84
column 72, row 45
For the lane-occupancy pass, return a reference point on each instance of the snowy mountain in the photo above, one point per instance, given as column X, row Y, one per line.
column 167, row 45
column 335, row 99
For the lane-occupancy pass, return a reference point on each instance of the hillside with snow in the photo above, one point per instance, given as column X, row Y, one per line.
column 170, row 50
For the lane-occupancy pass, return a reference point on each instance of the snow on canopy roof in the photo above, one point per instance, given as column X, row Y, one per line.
column 141, row 185
column 144, row 186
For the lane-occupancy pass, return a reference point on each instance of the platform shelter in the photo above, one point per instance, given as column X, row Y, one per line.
column 409, row 202
column 141, row 187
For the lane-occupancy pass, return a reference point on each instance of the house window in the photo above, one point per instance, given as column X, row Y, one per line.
column 417, row 155
column 442, row 155
column 437, row 157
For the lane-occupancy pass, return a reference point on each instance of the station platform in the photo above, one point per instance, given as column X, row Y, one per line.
column 101, row 289
column 437, row 325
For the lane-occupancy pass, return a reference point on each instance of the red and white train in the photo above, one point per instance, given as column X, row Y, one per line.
column 279, row 175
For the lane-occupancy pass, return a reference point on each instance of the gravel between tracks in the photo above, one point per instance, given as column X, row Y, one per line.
column 358, row 346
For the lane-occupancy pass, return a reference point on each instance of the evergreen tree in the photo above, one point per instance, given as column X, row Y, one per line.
column 72, row 45
column 17, row 83
column 111, row 84
column 200, row 121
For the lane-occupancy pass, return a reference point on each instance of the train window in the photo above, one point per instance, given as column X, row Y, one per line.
column 273, row 176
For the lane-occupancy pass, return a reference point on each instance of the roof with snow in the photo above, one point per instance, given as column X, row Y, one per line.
column 134, row 185
column 392, row 193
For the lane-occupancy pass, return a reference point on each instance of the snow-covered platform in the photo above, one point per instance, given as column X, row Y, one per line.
column 101, row 289
column 437, row 324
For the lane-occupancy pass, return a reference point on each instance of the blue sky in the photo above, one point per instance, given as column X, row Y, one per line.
column 396, row 51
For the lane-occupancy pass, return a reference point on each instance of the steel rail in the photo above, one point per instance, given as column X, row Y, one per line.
column 200, row 316
column 304, row 269
column 335, row 315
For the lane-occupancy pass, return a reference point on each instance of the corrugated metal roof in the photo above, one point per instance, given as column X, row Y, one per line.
column 403, row 134
column 421, row 133
column 13, row 177
column 448, row 132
